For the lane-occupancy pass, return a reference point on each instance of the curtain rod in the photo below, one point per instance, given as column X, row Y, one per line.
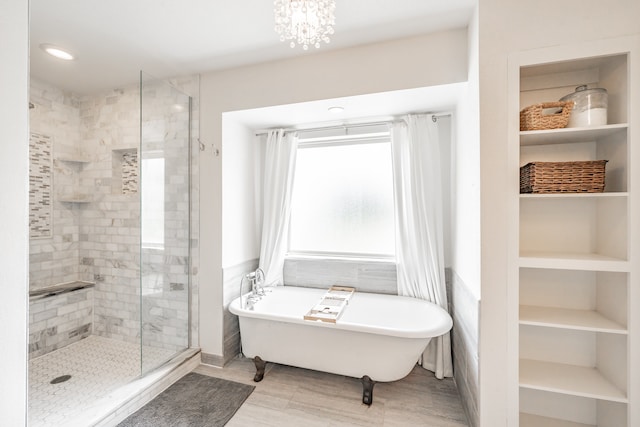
column 434, row 117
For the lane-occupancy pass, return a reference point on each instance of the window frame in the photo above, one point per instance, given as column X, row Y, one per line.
column 375, row 137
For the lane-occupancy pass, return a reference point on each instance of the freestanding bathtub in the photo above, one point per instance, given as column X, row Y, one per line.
column 378, row 338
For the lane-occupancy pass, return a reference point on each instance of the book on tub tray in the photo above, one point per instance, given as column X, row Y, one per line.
column 331, row 305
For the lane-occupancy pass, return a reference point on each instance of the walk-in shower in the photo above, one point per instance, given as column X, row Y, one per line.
column 110, row 243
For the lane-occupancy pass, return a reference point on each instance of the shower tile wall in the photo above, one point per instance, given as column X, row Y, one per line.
column 99, row 240
column 56, row 115
column 191, row 85
column 109, row 230
column 165, row 271
column 59, row 321
column 231, row 277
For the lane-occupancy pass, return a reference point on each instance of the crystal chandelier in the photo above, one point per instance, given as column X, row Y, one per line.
column 305, row 22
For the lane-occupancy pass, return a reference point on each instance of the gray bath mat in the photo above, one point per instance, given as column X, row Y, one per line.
column 193, row 401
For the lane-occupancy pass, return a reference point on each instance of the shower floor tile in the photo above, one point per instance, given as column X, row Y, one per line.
column 97, row 367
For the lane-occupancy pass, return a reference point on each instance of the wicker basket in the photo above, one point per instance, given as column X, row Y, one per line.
column 563, row 177
column 534, row 118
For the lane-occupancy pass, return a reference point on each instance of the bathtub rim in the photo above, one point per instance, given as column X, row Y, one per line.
column 430, row 331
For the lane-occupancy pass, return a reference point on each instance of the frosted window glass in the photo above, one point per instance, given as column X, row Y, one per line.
column 152, row 200
column 342, row 201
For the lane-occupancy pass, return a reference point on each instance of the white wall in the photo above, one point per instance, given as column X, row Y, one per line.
column 506, row 26
column 427, row 60
column 241, row 193
column 466, row 176
column 14, row 176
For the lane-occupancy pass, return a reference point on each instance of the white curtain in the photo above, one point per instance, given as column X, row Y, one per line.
column 419, row 224
column 280, row 158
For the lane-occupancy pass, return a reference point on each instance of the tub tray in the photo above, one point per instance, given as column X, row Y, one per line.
column 331, row 305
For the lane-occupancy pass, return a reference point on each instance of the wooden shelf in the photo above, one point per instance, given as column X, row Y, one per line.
column 573, row 261
column 530, row 420
column 568, row 379
column 584, row 320
column 569, row 135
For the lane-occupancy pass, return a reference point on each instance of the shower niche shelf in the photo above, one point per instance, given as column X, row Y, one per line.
column 75, row 198
column 73, row 159
column 71, row 167
column 574, row 306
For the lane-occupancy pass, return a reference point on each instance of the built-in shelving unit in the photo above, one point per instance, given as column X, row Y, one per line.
column 575, row 271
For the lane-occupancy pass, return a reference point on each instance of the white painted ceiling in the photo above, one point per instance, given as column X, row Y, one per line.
column 114, row 39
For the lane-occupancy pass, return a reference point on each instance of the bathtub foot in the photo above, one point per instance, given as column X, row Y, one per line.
column 260, row 365
column 367, row 390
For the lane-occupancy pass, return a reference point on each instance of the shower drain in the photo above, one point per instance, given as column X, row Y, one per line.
column 60, row 379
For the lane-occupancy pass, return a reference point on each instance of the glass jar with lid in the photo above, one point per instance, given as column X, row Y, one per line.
column 590, row 107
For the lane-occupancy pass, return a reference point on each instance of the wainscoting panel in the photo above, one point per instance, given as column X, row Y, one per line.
column 464, row 308
column 366, row 276
column 231, row 277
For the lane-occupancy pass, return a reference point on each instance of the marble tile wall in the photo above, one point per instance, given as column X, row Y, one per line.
column 464, row 308
column 378, row 277
column 191, row 86
column 109, row 228
column 57, row 321
column 56, row 114
column 231, row 277
column 99, row 240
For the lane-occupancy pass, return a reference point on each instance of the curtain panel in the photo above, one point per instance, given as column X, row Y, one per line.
column 419, row 224
column 280, row 160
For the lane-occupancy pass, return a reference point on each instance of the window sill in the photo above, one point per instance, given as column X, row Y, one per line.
column 340, row 257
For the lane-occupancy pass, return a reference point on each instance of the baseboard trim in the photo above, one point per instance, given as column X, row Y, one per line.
column 212, row 359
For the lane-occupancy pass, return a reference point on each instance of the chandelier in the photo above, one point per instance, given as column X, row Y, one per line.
column 305, row 22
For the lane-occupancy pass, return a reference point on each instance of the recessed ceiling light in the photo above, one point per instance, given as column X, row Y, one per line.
column 335, row 110
column 57, row 52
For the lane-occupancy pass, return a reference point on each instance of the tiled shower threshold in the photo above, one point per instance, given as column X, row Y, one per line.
column 104, row 387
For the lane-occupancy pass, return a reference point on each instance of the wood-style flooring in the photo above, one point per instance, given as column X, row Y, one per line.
column 289, row 396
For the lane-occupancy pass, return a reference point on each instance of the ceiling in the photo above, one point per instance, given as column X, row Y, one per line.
column 112, row 40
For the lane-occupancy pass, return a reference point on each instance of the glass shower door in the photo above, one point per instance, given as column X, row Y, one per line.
column 165, row 118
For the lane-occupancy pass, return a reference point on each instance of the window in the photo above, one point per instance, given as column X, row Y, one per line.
column 152, row 200
column 342, row 199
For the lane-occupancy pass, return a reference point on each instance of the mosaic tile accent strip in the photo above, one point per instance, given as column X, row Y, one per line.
column 129, row 172
column 98, row 366
column 40, row 185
